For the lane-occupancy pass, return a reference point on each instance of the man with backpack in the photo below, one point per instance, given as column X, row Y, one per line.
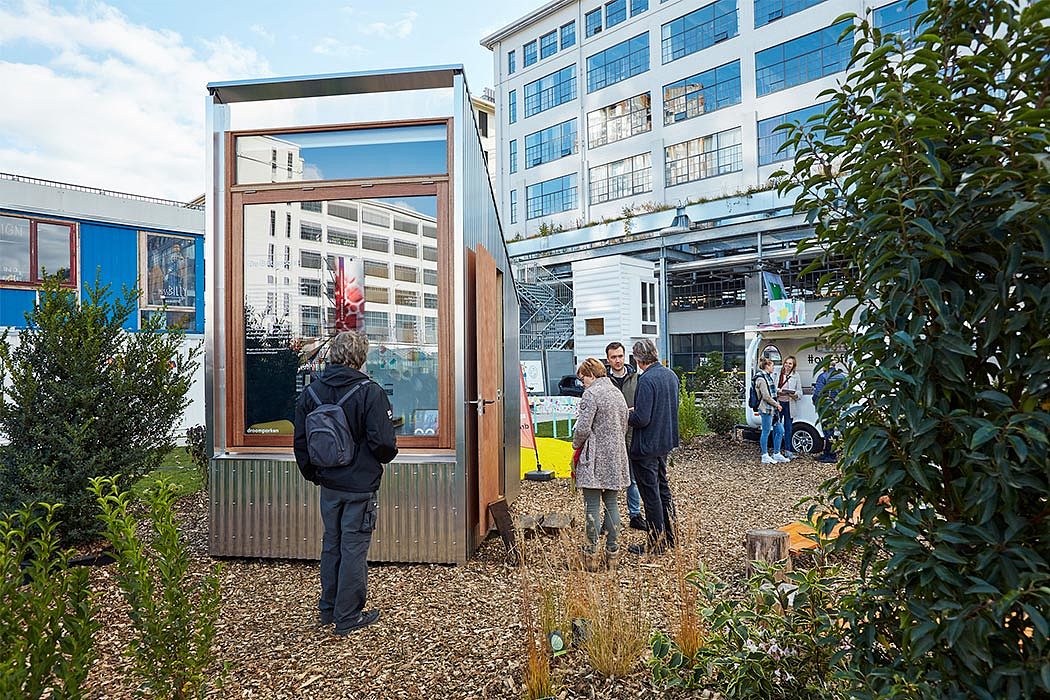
column 343, row 436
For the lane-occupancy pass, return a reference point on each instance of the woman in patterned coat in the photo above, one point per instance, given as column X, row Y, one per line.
column 602, row 466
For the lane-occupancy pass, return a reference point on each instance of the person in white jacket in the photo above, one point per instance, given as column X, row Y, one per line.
column 789, row 390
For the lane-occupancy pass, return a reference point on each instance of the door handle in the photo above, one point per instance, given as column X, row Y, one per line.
column 481, row 404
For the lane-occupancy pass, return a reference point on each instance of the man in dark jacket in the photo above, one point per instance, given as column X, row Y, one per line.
column 655, row 423
column 348, row 492
column 625, row 378
column 823, row 398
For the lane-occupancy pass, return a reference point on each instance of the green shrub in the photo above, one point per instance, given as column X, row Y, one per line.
column 46, row 610
column 690, row 420
column 931, row 179
column 173, row 611
column 83, row 398
column 199, row 450
column 780, row 641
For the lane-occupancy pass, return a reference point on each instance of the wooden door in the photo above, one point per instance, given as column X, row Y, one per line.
column 488, row 312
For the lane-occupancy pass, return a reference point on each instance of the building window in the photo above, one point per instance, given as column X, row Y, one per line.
column 705, row 289
column 430, row 254
column 309, row 232
column 619, row 62
column 513, row 206
column 621, row 178
column 342, row 211
column 375, row 217
column 688, row 349
column 273, row 223
column 376, row 269
column 810, row 57
column 35, row 249
column 377, row 295
column 406, row 249
column 512, row 106
column 309, row 260
column 430, row 301
column 430, row 277
column 528, row 52
column 288, row 257
column 615, row 12
column 314, row 207
column 309, row 287
column 549, row 44
column 406, row 297
column 767, row 11
column 269, row 256
column 405, row 328
column 698, row 30
column 483, row 123
column 648, row 302
column 568, row 35
column 593, row 22
column 311, row 321
column 702, row 93
column 406, row 225
column 406, row 273
column 290, row 165
column 550, row 144
column 376, row 243
column 619, row 121
column 639, row 6
column 168, row 270
column 900, row 18
column 339, row 236
column 551, row 197
column 377, row 325
column 430, row 231
column 513, row 156
column 550, row 91
column 430, row 327
column 511, row 63
column 704, row 157
column 273, row 164
column 288, row 225
column 770, row 139
column 594, row 326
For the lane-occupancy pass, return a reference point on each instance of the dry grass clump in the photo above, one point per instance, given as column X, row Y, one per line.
column 616, row 639
column 538, row 679
column 689, row 630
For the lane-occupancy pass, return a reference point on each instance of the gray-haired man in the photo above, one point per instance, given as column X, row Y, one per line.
column 348, row 492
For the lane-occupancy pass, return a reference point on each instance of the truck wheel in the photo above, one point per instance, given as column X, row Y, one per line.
column 805, row 440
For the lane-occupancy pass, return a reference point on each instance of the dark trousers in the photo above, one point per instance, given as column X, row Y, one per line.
column 650, row 473
column 349, row 519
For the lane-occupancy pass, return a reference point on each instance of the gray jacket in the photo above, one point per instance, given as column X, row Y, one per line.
column 600, row 428
column 627, row 385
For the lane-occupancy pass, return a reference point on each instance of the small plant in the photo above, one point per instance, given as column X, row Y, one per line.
column 197, row 447
column 615, row 639
column 173, row 611
column 46, row 610
column 720, row 394
column 691, row 422
column 538, row 679
column 628, row 220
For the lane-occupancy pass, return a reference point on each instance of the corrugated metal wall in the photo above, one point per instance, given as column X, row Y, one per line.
column 262, row 507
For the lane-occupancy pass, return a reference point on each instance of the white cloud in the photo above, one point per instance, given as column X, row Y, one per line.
column 329, row 46
column 114, row 104
column 400, row 29
column 262, row 32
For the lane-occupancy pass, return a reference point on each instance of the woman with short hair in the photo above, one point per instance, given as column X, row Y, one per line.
column 601, row 466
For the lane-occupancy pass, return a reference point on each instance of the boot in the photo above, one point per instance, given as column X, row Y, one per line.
column 612, row 559
column 590, row 561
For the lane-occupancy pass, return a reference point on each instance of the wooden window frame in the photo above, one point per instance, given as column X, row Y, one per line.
column 35, row 282
column 239, row 196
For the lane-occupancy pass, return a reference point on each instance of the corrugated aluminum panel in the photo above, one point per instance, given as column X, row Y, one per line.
column 262, row 507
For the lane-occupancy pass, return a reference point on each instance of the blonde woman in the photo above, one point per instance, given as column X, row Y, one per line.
column 789, row 390
column 602, row 469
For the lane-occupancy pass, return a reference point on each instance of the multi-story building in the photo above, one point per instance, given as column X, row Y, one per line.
column 485, row 114
column 614, row 107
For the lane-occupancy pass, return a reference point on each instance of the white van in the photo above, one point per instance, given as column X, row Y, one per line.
column 777, row 343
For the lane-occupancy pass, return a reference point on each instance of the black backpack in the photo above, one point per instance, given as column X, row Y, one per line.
column 753, row 400
column 329, row 440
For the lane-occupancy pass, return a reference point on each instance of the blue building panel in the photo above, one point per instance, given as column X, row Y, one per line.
column 14, row 305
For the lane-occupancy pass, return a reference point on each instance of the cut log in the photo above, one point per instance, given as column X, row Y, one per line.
column 767, row 546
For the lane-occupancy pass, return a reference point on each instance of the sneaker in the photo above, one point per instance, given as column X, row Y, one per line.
column 364, row 619
column 638, row 523
column 789, row 454
column 768, row 459
column 780, row 458
column 827, row 459
column 324, row 619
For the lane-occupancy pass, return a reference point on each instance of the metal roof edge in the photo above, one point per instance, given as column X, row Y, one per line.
column 534, row 16
column 322, row 85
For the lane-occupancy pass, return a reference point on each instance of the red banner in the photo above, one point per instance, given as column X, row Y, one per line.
column 528, row 432
column 349, row 295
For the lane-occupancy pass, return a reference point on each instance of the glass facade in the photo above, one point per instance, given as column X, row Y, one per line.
column 621, row 178
column 770, row 140
column 619, row 62
column 810, row 57
column 702, row 93
column 767, row 11
column 704, row 157
column 899, row 18
column 698, row 30
column 593, row 21
column 619, row 121
column 551, row 196
column 550, row 144
column 550, row 91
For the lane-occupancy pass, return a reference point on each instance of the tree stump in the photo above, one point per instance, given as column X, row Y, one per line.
column 769, row 546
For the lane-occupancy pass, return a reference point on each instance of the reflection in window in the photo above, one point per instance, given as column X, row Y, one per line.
column 169, row 273
column 900, row 19
column 767, row 11
column 770, row 139
column 702, row 93
column 551, row 196
column 815, row 55
column 698, row 30
column 51, row 243
column 619, row 121
column 622, row 178
column 550, row 91
column 704, row 157
column 619, row 62
column 568, row 35
column 550, row 144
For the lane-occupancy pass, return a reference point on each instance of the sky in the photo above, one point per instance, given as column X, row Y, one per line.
column 112, row 94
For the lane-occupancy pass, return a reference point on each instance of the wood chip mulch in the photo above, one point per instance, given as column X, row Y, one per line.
column 456, row 631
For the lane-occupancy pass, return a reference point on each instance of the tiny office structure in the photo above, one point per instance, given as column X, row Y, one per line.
column 83, row 234
column 358, row 201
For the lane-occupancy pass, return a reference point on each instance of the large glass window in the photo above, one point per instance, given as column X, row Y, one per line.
column 619, row 62
column 549, row 44
column 551, row 197
column 168, row 269
column 528, row 52
column 770, row 140
column 551, row 143
column 810, row 57
column 698, row 30
column 639, row 6
column 621, row 178
column 619, row 121
column 767, row 11
column 32, row 249
column 568, row 35
column 704, row 157
column 550, row 91
column 615, row 12
column 688, row 349
column 285, row 345
column 899, row 18
column 349, row 154
column 702, row 93
column 593, row 21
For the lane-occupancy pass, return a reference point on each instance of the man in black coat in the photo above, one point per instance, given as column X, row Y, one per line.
column 348, row 492
column 655, row 423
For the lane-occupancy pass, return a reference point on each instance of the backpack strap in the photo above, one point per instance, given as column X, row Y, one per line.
column 353, row 390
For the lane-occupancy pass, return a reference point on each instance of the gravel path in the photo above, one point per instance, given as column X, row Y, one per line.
column 456, row 632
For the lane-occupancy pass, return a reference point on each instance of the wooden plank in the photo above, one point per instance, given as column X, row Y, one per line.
column 489, row 329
